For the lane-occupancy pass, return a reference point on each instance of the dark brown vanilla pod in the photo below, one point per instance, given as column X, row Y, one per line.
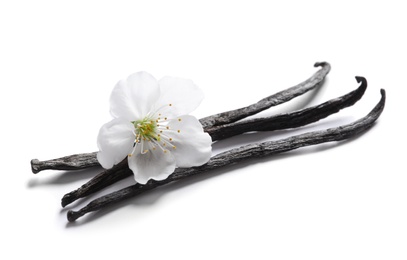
column 99, row 182
column 273, row 100
column 81, row 161
column 237, row 155
column 290, row 120
column 279, row 122
column 71, row 162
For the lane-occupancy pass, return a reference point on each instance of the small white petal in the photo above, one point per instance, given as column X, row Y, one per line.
column 193, row 147
column 183, row 95
column 115, row 141
column 157, row 165
column 134, row 97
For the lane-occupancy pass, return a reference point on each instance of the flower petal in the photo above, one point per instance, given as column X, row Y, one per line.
column 115, row 141
column 193, row 147
column 134, row 97
column 155, row 165
column 183, row 95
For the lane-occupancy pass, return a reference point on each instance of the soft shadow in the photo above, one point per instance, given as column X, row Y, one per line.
column 65, row 177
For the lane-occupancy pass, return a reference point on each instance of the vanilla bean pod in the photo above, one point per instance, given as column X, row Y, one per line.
column 71, row 162
column 239, row 154
column 273, row 100
column 290, row 120
column 81, row 161
column 279, row 122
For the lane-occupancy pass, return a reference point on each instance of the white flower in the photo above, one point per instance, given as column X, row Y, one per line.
column 152, row 128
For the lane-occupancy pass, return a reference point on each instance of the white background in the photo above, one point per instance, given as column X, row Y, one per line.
column 60, row 60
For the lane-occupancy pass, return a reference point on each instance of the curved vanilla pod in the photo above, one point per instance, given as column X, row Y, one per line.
column 273, row 100
column 240, row 154
column 278, row 122
column 71, row 162
column 290, row 120
column 82, row 161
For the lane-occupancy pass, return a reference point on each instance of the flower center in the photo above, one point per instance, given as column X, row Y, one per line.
column 153, row 134
column 145, row 129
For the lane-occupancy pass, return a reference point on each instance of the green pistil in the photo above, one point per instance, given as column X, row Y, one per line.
column 146, row 129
